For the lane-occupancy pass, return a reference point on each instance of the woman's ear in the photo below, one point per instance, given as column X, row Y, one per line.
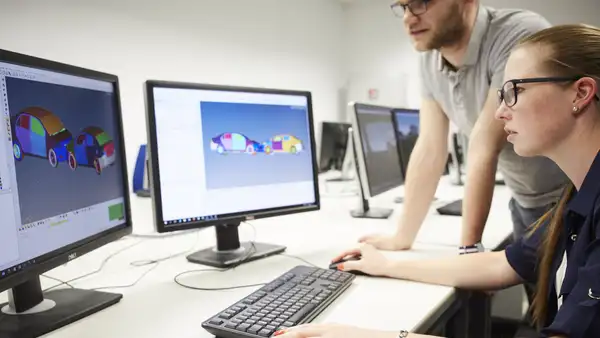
column 586, row 90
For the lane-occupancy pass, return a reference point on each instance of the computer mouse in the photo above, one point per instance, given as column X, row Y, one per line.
column 334, row 265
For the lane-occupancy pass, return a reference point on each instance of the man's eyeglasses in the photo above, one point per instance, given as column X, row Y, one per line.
column 416, row 7
column 509, row 91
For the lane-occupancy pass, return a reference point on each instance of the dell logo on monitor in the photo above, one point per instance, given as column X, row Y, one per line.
column 72, row 256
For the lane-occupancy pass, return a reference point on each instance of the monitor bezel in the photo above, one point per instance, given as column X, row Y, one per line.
column 323, row 126
column 75, row 250
column 403, row 159
column 359, row 148
column 234, row 218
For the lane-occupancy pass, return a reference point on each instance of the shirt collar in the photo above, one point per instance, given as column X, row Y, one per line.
column 583, row 201
column 482, row 23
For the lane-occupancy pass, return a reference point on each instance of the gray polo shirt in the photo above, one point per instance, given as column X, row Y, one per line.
column 534, row 181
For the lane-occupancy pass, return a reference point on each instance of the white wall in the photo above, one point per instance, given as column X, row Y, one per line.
column 380, row 56
column 267, row 43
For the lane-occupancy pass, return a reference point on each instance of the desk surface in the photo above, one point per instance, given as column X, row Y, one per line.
column 157, row 307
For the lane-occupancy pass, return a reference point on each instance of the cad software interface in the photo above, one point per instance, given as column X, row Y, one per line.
column 226, row 152
column 407, row 130
column 378, row 142
column 60, row 173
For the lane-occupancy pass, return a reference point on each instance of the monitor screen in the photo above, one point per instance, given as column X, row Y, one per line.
column 379, row 148
column 61, row 175
column 224, row 153
column 334, row 138
column 407, row 132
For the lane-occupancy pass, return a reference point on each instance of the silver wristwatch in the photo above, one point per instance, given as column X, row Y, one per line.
column 471, row 249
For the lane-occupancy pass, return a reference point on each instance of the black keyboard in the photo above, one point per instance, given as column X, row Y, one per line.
column 293, row 298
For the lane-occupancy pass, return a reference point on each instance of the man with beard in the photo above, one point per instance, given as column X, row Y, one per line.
column 465, row 46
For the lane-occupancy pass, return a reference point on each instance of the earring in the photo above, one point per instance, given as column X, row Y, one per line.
column 575, row 109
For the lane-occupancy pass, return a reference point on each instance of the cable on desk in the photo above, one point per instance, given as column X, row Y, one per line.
column 300, row 259
column 240, row 262
column 129, row 285
column 59, row 280
column 158, row 260
column 98, row 270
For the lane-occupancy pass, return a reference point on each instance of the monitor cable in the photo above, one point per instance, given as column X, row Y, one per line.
column 242, row 261
column 70, row 281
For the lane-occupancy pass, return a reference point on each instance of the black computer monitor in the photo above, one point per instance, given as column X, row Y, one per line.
column 223, row 155
column 334, row 139
column 63, row 186
column 406, row 123
column 377, row 157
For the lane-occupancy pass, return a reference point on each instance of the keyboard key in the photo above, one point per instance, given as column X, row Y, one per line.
column 243, row 327
column 216, row 322
column 265, row 333
column 254, row 329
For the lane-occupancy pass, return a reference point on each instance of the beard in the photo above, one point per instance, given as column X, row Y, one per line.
column 450, row 31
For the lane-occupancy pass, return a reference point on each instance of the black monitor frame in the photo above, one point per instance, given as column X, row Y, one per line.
column 229, row 251
column 404, row 158
column 362, row 169
column 25, row 283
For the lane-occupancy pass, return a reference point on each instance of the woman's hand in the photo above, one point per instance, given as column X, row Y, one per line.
column 371, row 262
column 332, row 331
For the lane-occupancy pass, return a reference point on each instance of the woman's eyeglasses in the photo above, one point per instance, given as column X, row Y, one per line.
column 416, row 7
column 509, row 91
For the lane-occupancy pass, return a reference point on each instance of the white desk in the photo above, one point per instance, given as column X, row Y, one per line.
column 157, row 307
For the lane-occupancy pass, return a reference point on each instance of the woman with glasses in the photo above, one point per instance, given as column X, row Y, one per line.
column 549, row 105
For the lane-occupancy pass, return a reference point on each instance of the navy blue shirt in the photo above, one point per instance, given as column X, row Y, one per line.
column 579, row 315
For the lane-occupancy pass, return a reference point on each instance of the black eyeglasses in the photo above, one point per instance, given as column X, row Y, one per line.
column 416, row 7
column 509, row 91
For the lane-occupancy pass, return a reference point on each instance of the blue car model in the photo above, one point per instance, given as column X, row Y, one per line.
column 38, row 132
column 235, row 143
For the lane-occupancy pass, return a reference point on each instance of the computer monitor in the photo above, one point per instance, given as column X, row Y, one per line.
column 377, row 157
column 334, row 139
column 63, row 189
column 222, row 155
column 406, row 123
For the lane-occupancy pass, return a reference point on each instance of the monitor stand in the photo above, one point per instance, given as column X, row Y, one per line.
column 33, row 313
column 365, row 211
column 229, row 252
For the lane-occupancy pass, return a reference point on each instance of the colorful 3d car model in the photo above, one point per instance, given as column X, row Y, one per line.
column 234, row 143
column 38, row 132
column 93, row 147
column 283, row 144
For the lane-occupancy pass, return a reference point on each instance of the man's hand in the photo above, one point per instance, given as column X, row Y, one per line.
column 372, row 262
column 385, row 242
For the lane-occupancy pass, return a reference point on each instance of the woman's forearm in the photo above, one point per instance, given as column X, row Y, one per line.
column 482, row 271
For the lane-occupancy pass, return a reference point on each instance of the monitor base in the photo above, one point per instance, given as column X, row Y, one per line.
column 375, row 213
column 70, row 306
column 247, row 252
